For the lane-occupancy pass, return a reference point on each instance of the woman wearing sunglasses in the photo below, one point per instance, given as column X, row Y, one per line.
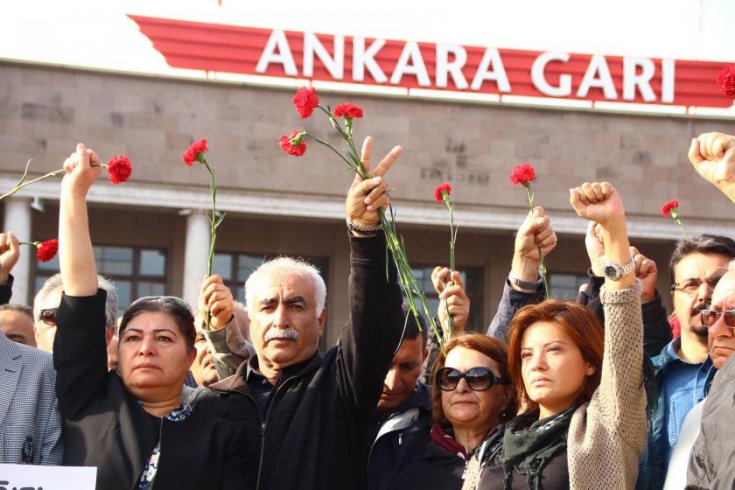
column 584, row 422
column 131, row 426
column 472, row 397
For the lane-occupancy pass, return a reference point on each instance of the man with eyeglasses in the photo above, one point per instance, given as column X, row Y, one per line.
column 683, row 368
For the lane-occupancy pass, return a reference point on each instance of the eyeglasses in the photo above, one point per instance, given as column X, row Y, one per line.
column 48, row 316
column 478, row 378
column 166, row 299
column 691, row 286
column 710, row 317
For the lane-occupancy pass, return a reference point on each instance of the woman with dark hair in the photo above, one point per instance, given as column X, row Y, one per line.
column 131, row 426
column 472, row 398
column 584, row 421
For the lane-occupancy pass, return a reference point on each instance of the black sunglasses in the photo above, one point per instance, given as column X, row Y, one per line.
column 710, row 317
column 478, row 378
column 48, row 316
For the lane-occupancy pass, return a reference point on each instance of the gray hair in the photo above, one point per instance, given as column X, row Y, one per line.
column 18, row 307
column 54, row 282
column 291, row 266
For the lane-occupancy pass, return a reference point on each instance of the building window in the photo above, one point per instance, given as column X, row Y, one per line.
column 135, row 271
column 473, row 281
column 566, row 286
column 235, row 269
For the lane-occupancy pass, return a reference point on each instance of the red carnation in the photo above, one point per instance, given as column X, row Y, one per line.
column 305, row 101
column 441, row 189
column 47, row 250
column 670, row 208
column 523, row 174
column 293, row 144
column 726, row 79
column 348, row 110
column 196, row 152
column 119, row 169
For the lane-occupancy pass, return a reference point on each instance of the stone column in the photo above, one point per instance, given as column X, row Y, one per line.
column 196, row 254
column 18, row 220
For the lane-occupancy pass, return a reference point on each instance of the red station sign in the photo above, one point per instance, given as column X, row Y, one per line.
column 450, row 67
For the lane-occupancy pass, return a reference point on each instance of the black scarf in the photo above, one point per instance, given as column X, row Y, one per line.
column 529, row 443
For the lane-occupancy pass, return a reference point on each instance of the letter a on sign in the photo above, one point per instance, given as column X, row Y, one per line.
column 277, row 51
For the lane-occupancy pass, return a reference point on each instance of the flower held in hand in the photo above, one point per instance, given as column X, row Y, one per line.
column 195, row 153
column 305, row 101
column 348, row 110
column 119, row 169
column 671, row 208
column 294, row 143
column 46, row 250
column 441, row 190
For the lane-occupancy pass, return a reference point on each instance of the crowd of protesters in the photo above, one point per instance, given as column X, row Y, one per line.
column 589, row 394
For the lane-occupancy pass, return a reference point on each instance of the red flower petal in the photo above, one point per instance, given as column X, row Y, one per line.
column 47, row 250
column 726, row 79
column 440, row 190
column 523, row 174
column 305, row 101
column 668, row 207
column 294, row 143
column 192, row 153
column 347, row 110
column 119, row 169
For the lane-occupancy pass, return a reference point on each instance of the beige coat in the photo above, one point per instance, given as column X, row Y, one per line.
column 608, row 434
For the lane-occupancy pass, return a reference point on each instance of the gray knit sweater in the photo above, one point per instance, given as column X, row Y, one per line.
column 608, row 434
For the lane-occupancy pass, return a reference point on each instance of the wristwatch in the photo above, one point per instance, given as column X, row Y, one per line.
column 615, row 271
column 529, row 285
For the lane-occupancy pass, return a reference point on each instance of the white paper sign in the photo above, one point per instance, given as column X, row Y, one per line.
column 37, row 477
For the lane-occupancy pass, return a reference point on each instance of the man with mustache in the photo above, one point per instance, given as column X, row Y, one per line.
column 306, row 414
column 684, row 368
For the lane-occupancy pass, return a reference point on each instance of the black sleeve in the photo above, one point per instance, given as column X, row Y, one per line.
column 590, row 295
column 6, row 290
column 373, row 331
column 512, row 301
column 80, row 353
column 656, row 328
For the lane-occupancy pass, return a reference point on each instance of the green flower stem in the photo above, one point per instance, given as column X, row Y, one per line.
column 542, row 263
column 214, row 222
column 452, row 263
column 677, row 220
column 395, row 246
column 23, row 183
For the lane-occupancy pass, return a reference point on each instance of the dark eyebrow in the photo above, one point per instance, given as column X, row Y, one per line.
column 155, row 330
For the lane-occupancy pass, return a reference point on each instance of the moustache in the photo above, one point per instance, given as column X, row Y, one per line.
column 281, row 334
column 698, row 309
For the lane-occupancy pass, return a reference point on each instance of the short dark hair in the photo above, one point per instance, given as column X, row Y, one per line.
column 703, row 244
column 18, row 307
column 174, row 307
column 414, row 327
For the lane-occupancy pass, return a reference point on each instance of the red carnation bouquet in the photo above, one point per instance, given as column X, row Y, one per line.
column 118, row 168
column 523, row 174
column 196, row 153
column 306, row 101
column 442, row 194
column 45, row 250
column 671, row 209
